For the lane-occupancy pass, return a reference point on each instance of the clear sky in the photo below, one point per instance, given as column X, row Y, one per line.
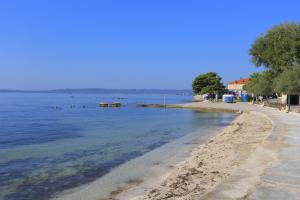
column 157, row 44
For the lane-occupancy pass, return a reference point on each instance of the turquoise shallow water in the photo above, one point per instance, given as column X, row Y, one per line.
column 53, row 142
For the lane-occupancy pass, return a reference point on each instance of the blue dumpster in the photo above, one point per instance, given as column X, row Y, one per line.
column 245, row 97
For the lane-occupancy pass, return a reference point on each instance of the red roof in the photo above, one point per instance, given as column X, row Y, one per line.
column 240, row 81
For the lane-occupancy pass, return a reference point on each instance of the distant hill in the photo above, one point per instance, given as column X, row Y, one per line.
column 103, row 91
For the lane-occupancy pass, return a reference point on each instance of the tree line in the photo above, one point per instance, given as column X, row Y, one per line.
column 278, row 52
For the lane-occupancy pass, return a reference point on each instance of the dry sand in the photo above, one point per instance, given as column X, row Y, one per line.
column 209, row 165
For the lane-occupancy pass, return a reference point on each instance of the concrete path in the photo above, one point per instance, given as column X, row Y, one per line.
column 273, row 171
column 282, row 179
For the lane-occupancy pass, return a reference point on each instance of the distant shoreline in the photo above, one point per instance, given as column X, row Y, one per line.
column 104, row 91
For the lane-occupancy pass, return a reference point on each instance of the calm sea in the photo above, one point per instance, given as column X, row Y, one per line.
column 53, row 142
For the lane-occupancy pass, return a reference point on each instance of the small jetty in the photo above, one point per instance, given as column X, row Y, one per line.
column 153, row 105
column 114, row 104
column 186, row 106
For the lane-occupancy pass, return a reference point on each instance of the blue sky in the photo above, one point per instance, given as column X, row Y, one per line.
column 158, row 44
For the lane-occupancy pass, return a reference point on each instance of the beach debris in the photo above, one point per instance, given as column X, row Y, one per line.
column 194, row 171
column 200, row 164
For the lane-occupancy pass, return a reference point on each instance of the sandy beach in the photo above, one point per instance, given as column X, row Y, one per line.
column 256, row 157
column 211, row 163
